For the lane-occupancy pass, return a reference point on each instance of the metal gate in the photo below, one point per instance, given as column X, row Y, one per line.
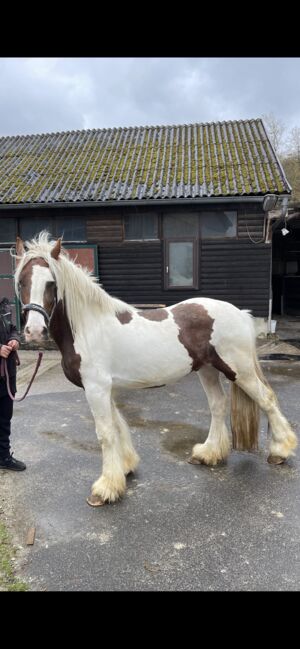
column 7, row 269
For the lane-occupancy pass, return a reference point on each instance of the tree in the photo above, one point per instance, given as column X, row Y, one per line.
column 276, row 130
column 294, row 143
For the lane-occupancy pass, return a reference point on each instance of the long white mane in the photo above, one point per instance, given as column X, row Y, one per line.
column 76, row 286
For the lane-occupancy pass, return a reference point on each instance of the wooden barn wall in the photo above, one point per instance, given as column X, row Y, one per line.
column 235, row 270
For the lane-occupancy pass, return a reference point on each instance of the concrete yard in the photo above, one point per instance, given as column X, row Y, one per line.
column 179, row 527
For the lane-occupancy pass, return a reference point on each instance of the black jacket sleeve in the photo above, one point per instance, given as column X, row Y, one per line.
column 13, row 335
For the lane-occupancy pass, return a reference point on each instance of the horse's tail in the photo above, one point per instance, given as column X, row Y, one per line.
column 245, row 413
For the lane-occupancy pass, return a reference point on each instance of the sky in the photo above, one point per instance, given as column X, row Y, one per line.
column 45, row 95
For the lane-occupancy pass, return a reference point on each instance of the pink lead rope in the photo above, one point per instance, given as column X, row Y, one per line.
column 4, row 373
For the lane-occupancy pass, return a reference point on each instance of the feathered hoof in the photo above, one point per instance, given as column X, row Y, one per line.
column 194, row 460
column 276, row 459
column 95, row 501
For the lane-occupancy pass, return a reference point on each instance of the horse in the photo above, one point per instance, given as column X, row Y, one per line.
column 107, row 344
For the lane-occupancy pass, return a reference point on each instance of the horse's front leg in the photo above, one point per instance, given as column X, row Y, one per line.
column 111, row 484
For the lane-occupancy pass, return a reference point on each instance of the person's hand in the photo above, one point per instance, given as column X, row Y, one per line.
column 5, row 350
column 13, row 344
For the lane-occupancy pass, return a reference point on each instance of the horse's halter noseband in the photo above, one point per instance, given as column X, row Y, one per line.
column 40, row 309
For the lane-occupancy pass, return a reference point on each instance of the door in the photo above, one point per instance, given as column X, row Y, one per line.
column 181, row 263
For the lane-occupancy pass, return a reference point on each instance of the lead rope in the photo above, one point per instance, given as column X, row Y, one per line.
column 4, row 373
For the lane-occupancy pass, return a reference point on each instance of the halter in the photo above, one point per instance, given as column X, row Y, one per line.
column 37, row 307
column 40, row 309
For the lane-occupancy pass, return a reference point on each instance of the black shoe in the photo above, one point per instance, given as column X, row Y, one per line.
column 11, row 464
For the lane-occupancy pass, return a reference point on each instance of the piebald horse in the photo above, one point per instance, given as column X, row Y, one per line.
column 107, row 344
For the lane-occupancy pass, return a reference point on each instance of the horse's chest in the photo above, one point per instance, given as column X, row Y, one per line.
column 70, row 365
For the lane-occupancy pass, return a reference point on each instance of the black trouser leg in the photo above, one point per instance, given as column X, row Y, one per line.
column 6, row 412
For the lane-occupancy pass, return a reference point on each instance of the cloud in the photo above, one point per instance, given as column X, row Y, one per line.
column 58, row 94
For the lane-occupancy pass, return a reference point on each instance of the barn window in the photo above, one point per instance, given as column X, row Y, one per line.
column 180, row 225
column 31, row 227
column 140, row 227
column 8, row 230
column 70, row 228
column 218, row 225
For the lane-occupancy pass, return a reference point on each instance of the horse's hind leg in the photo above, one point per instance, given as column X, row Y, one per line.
column 217, row 446
column 130, row 458
column 283, row 439
column 111, row 484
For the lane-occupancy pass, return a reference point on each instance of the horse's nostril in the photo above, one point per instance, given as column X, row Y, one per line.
column 27, row 330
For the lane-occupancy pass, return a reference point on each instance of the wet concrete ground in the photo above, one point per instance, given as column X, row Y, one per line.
column 179, row 527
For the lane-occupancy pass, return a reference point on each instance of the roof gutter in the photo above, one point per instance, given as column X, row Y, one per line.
column 142, row 201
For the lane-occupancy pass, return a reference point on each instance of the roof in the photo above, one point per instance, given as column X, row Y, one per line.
column 233, row 158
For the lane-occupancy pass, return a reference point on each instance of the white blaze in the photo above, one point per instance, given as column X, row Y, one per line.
column 35, row 321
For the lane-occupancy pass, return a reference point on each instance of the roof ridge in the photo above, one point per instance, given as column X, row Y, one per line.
column 128, row 128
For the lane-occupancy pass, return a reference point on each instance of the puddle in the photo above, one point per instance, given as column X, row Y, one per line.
column 181, row 438
column 177, row 438
column 91, row 447
column 289, row 371
column 280, row 357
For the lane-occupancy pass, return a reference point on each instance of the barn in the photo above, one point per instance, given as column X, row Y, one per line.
column 159, row 213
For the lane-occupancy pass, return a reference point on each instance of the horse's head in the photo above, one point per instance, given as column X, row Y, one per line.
column 37, row 291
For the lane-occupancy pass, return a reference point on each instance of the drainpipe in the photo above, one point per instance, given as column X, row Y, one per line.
column 278, row 215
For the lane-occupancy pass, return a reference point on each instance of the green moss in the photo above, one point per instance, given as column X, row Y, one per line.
column 86, row 160
column 8, row 581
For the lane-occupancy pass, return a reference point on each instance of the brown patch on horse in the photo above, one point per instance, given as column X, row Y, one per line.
column 195, row 329
column 25, row 278
column 154, row 314
column 124, row 317
column 61, row 332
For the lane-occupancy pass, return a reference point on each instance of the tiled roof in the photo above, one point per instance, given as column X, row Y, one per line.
column 194, row 161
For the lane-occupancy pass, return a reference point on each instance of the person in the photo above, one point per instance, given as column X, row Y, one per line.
column 9, row 344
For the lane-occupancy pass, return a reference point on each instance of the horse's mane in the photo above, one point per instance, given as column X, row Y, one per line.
column 76, row 286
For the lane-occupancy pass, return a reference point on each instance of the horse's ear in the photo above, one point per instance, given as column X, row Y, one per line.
column 56, row 249
column 20, row 247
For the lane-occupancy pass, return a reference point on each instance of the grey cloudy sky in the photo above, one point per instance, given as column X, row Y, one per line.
column 41, row 95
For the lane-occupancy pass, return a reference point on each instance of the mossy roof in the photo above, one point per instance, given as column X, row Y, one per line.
column 233, row 158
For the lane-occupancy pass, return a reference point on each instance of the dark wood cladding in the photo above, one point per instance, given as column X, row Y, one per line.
column 235, row 271
column 238, row 272
column 105, row 229
column 250, row 224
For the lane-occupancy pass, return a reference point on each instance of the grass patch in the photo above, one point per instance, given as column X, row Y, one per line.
column 8, row 581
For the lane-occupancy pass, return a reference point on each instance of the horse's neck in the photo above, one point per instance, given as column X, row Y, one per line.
column 60, row 330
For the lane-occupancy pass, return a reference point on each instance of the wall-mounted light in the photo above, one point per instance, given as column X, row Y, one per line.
column 284, row 231
column 269, row 202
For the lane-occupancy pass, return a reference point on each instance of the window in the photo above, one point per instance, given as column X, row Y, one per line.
column 7, row 230
column 140, row 227
column 218, row 225
column 70, row 228
column 181, row 264
column 30, row 227
column 180, row 225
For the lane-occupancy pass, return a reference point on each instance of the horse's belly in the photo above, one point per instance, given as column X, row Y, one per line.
column 150, row 369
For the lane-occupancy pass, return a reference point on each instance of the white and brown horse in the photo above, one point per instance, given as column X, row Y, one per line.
column 107, row 344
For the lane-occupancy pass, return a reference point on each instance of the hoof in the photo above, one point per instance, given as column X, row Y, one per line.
column 276, row 459
column 194, row 460
column 95, row 501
